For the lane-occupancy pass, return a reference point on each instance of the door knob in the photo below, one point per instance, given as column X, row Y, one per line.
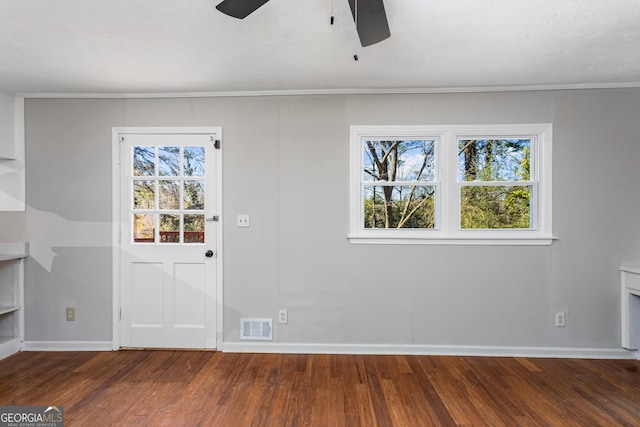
column 209, row 253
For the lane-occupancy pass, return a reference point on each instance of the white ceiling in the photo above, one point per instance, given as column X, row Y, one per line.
column 116, row 46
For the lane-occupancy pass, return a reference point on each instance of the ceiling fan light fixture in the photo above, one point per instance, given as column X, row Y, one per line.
column 371, row 21
column 239, row 8
column 369, row 16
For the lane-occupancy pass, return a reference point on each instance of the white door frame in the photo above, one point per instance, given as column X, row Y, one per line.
column 117, row 225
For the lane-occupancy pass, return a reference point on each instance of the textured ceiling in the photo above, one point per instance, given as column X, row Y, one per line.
column 115, row 46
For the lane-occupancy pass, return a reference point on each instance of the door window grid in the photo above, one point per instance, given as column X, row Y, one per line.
column 168, row 202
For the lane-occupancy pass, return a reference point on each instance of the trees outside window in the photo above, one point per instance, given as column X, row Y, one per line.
column 496, row 188
column 399, row 190
column 451, row 184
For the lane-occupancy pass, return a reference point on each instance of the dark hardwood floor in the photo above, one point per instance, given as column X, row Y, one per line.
column 190, row 388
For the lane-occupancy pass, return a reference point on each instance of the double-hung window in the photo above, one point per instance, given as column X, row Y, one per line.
column 483, row 184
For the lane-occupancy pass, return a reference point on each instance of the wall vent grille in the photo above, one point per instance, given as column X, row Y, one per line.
column 256, row 329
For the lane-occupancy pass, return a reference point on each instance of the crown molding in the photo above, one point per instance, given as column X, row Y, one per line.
column 303, row 92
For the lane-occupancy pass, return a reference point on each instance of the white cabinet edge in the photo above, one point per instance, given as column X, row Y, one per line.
column 14, row 250
column 12, row 170
column 630, row 268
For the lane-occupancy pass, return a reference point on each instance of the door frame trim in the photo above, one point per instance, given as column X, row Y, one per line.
column 116, row 220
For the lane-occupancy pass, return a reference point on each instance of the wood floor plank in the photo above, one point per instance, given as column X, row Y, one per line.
column 427, row 392
column 374, row 378
column 174, row 388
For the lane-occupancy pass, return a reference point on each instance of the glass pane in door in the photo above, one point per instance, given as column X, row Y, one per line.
column 193, row 228
column 144, row 161
column 143, row 228
column 193, row 195
column 193, row 161
column 169, row 161
column 169, row 195
column 143, row 194
column 169, row 228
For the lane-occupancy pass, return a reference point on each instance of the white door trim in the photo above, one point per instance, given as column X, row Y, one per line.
column 117, row 224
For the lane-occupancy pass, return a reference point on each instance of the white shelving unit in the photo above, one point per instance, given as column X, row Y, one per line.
column 12, row 257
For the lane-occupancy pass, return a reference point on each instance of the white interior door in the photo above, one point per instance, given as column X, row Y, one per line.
column 168, row 254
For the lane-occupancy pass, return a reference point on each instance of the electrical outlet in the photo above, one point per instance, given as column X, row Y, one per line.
column 243, row 221
column 283, row 316
column 561, row 319
column 71, row 314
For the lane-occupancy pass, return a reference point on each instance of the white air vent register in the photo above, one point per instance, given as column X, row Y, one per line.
column 256, row 329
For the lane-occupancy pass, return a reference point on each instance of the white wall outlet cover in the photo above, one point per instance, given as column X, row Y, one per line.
column 561, row 319
column 243, row 220
column 283, row 316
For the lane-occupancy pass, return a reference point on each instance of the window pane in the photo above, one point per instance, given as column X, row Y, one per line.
column 143, row 228
column 169, row 161
column 194, row 195
column 495, row 207
column 399, row 206
column 193, row 161
column 169, row 228
column 193, row 229
column 143, row 194
column 169, row 195
column 494, row 159
column 144, row 160
column 399, row 160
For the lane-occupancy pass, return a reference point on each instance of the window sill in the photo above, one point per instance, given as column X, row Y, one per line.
column 462, row 241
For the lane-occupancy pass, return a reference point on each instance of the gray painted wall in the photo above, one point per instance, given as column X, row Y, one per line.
column 286, row 164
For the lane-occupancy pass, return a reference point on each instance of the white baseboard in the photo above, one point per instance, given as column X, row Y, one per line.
column 309, row 348
column 67, row 346
column 433, row 350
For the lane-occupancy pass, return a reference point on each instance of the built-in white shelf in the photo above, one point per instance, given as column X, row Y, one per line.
column 11, row 297
column 630, row 306
column 9, row 257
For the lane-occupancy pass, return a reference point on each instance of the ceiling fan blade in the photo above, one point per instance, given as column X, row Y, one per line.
column 240, row 8
column 371, row 21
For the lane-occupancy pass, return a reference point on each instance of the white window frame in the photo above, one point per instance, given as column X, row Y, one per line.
column 447, row 197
